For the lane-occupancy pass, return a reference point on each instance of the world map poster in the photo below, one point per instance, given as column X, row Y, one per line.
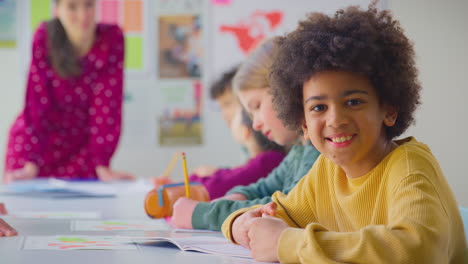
column 239, row 26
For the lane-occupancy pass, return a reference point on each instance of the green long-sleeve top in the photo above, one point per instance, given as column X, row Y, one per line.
column 283, row 178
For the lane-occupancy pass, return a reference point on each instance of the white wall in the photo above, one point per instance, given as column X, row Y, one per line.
column 439, row 31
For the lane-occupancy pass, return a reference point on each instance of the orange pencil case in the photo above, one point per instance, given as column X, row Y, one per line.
column 159, row 202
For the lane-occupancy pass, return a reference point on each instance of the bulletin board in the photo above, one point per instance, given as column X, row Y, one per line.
column 130, row 15
column 174, row 51
column 8, row 23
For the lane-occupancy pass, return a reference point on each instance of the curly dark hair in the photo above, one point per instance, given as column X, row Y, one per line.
column 223, row 84
column 370, row 43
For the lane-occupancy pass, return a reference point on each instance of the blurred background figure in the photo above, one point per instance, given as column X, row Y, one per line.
column 70, row 125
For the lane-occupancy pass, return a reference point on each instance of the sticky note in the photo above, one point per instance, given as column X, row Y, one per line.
column 133, row 52
column 40, row 11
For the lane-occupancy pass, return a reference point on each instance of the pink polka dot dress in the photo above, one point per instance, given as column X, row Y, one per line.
column 70, row 126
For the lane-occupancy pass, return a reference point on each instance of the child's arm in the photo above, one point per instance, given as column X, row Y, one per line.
column 242, row 223
column 211, row 215
column 182, row 212
column 225, row 179
column 229, row 226
column 273, row 182
column 417, row 231
column 263, row 234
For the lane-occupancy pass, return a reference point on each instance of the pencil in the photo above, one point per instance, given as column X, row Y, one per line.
column 171, row 165
column 186, row 180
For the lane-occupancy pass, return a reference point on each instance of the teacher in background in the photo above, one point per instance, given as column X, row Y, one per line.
column 71, row 121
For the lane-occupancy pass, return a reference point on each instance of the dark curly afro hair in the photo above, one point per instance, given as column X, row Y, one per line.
column 369, row 43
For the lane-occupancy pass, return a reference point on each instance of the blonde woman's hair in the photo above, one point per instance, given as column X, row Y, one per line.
column 254, row 72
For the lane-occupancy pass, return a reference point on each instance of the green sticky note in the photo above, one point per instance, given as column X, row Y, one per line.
column 40, row 11
column 133, row 52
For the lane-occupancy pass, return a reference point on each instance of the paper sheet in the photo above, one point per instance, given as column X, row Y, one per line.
column 76, row 243
column 117, row 225
column 215, row 245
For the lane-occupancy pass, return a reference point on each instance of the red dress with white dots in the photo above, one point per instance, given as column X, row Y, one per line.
column 70, row 126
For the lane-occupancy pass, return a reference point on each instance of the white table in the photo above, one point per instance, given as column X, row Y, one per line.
column 129, row 206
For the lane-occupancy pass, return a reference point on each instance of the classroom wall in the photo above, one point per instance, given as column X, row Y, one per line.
column 438, row 29
column 439, row 32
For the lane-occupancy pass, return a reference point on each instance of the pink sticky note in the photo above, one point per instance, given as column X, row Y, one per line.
column 109, row 11
column 221, row 2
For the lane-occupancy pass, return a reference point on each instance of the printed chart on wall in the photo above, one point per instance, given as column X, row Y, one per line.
column 239, row 26
column 130, row 15
column 7, row 23
column 181, row 36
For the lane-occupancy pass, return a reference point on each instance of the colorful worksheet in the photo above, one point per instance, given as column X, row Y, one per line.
column 77, row 243
column 118, row 225
column 56, row 214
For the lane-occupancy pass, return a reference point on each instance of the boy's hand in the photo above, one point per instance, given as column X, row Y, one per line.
column 241, row 225
column 6, row 229
column 28, row 172
column 182, row 212
column 269, row 209
column 264, row 234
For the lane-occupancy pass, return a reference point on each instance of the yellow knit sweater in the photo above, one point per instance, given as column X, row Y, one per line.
column 402, row 211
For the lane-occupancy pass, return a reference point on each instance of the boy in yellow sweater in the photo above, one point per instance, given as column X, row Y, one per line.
column 349, row 83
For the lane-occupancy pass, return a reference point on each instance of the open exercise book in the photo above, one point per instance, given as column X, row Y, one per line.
column 207, row 244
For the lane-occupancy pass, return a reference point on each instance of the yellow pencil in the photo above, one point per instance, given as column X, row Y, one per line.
column 186, row 180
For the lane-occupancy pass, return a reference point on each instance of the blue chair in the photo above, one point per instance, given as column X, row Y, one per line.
column 464, row 215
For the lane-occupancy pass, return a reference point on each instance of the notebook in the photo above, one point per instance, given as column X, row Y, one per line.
column 215, row 245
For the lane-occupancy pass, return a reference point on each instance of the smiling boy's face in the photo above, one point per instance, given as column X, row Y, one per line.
column 345, row 121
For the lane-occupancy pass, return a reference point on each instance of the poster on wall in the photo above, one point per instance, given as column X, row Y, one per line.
column 7, row 23
column 238, row 26
column 180, row 47
column 180, row 120
column 180, row 71
column 130, row 15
